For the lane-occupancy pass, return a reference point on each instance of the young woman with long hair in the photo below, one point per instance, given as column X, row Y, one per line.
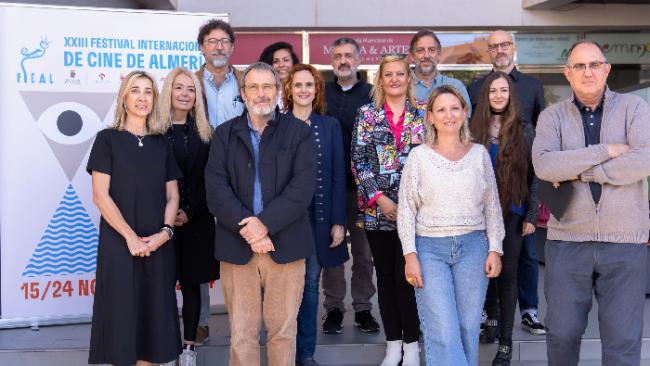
column 497, row 125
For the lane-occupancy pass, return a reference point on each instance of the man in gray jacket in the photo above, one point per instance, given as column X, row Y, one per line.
column 599, row 141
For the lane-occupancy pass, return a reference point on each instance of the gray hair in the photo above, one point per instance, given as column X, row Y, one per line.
column 581, row 42
column 347, row 40
column 261, row 66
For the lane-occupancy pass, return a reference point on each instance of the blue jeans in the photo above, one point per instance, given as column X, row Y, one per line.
column 308, row 313
column 528, row 275
column 451, row 302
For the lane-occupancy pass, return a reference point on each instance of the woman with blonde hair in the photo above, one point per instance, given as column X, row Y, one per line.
column 450, row 224
column 189, row 132
column 135, row 319
column 385, row 131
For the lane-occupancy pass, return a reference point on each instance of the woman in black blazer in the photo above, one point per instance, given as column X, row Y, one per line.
column 304, row 97
column 189, row 134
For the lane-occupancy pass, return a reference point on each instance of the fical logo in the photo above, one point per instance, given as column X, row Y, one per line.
column 26, row 77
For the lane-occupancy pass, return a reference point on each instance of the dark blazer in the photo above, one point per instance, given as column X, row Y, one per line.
column 288, row 177
column 328, row 206
column 195, row 240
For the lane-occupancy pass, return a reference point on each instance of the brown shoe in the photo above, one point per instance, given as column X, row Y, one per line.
column 202, row 335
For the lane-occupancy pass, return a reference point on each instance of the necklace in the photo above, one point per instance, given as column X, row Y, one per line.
column 139, row 139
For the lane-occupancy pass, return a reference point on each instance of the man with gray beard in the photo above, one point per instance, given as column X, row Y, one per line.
column 344, row 96
column 260, row 179
column 425, row 50
column 219, row 79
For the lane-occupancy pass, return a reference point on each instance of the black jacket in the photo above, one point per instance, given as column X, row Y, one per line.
column 530, row 92
column 288, row 177
column 194, row 241
column 343, row 105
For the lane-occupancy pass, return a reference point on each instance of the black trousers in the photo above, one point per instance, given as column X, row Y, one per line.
column 501, row 298
column 191, row 310
column 399, row 312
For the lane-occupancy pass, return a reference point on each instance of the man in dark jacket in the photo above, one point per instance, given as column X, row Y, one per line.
column 344, row 96
column 260, row 179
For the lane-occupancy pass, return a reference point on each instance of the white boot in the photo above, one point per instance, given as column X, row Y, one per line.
column 393, row 353
column 411, row 354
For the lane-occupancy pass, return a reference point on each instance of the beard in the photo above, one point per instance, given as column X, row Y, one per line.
column 260, row 107
column 219, row 62
column 502, row 61
column 343, row 71
column 427, row 70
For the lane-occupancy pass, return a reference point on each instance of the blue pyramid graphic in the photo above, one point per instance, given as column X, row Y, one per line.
column 69, row 244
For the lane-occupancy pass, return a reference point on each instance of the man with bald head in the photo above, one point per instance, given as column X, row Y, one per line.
column 599, row 143
column 530, row 91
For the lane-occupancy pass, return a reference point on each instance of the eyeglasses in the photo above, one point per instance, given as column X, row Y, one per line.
column 225, row 42
column 581, row 67
column 255, row 88
column 495, row 46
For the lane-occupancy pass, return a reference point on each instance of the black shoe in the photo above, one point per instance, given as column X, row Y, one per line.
column 489, row 334
column 530, row 322
column 333, row 320
column 504, row 354
column 365, row 322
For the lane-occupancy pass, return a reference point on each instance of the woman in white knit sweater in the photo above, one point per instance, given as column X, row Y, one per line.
column 451, row 228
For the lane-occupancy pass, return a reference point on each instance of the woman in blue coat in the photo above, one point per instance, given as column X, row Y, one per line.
column 304, row 97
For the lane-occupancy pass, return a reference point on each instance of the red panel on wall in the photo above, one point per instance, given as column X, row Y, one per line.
column 249, row 46
column 373, row 46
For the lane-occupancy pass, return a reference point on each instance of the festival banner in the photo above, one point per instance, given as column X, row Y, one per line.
column 60, row 69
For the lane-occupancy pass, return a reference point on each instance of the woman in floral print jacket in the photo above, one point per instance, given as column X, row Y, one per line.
column 385, row 132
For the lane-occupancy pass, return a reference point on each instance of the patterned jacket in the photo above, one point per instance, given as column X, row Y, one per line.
column 377, row 162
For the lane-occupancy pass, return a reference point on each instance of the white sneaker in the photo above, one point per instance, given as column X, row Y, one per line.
column 187, row 358
column 411, row 354
column 393, row 353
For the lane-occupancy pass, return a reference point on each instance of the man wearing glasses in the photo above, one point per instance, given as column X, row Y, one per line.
column 260, row 179
column 530, row 91
column 425, row 52
column 219, row 79
column 599, row 143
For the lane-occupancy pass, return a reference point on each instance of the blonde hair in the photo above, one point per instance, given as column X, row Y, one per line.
column 378, row 96
column 198, row 110
column 465, row 136
column 153, row 125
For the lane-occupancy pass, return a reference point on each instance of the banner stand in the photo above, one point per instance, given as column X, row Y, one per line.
column 61, row 68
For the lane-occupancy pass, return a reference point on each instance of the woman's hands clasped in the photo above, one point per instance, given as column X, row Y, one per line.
column 144, row 246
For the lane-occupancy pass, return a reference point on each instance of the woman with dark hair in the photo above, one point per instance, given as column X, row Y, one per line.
column 384, row 133
column 183, row 115
column 449, row 220
column 496, row 124
column 304, row 96
column 134, row 173
column 281, row 56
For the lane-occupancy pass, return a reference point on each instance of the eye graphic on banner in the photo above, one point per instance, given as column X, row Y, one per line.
column 68, row 121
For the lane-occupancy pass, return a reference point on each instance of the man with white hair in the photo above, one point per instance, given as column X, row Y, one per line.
column 260, row 179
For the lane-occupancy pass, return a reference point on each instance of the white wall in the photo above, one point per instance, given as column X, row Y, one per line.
column 436, row 14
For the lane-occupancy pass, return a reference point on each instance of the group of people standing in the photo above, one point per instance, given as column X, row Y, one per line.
column 256, row 176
